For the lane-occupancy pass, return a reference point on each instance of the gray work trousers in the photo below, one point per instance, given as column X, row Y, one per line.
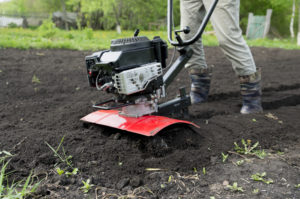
column 225, row 21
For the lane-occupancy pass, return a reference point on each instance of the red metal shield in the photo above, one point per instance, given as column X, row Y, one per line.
column 147, row 125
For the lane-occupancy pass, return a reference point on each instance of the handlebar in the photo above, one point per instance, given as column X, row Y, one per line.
column 200, row 31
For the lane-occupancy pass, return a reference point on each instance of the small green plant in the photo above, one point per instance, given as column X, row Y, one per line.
column 59, row 171
column 86, row 186
column 248, row 149
column 28, row 187
column 261, row 177
column 224, row 157
column 297, row 186
column 4, row 155
column 260, row 154
column 204, row 171
column 35, row 79
column 280, row 153
column 16, row 189
column 170, row 178
column 235, row 188
column 2, row 176
column 240, row 162
column 74, row 172
column 254, row 120
column 65, row 159
column 255, row 191
column 195, row 170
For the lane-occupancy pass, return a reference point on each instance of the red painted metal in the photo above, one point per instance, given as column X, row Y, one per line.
column 147, row 125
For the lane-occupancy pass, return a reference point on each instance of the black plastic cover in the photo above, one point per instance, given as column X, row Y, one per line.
column 125, row 54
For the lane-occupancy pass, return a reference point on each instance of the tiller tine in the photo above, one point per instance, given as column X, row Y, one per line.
column 148, row 125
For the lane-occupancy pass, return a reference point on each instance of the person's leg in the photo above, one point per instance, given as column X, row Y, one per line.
column 225, row 21
column 192, row 13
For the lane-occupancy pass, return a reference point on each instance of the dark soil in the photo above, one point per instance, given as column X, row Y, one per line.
column 33, row 113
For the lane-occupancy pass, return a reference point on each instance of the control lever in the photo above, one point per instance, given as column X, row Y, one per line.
column 185, row 30
column 136, row 32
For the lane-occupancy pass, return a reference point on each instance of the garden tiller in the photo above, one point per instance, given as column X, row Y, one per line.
column 132, row 70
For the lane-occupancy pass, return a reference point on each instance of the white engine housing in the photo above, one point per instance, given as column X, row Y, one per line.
column 136, row 79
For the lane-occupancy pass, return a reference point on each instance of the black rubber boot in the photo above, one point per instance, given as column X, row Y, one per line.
column 201, row 79
column 251, row 93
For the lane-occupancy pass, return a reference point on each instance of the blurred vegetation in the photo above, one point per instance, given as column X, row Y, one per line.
column 132, row 14
column 47, row 36
column 129, row 14
column 99, row 14
column 85, row 39
column 281, row 16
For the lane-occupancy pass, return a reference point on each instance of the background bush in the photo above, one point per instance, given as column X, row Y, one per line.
column 132, row 14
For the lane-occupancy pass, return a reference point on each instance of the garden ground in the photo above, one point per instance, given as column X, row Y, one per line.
column 44, row 93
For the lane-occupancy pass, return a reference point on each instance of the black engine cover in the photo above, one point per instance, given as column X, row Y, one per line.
column 124, row 54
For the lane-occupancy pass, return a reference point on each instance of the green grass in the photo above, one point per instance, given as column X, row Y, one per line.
column 20, row 189
column 275, row 43
column 95, row 40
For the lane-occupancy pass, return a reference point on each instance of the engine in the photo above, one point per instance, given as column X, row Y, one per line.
column 132, row 66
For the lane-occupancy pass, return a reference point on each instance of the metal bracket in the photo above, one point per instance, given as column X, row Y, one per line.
column 105, row 105
column 177, row 107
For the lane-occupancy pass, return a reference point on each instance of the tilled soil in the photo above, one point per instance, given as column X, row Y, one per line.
column 44, row 93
